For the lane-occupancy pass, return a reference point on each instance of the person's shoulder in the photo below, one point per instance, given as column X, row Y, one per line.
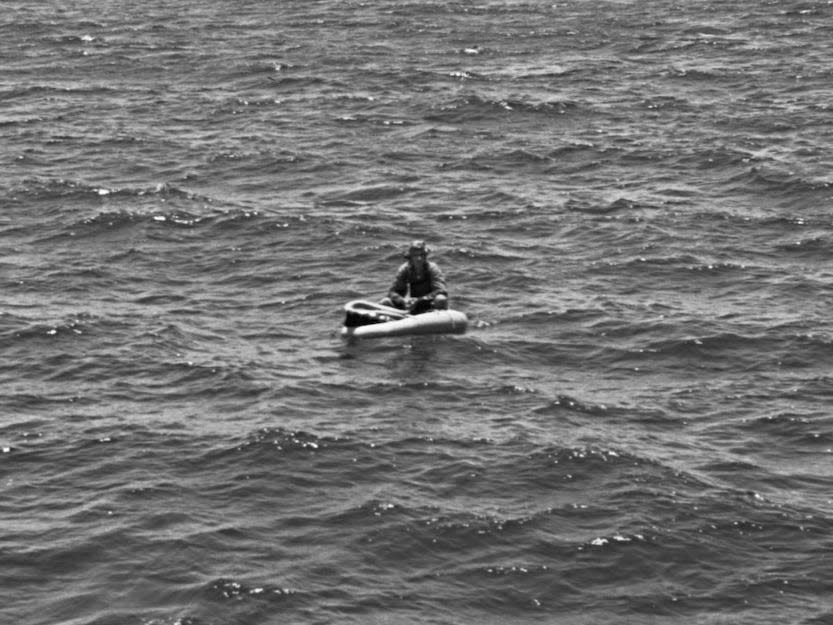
column 433, row 266
column 403, row 267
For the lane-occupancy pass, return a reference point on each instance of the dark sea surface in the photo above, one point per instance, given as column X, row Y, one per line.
column 633, row 203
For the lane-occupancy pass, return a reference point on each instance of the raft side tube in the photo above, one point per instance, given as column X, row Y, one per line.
column 361, row 313
column 432, row 322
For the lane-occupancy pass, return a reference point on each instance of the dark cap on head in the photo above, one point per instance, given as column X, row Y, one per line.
column 417, row 247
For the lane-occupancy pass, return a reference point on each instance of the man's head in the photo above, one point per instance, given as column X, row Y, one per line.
column 418, row 251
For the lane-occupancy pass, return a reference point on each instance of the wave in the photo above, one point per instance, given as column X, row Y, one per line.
column 619, row 205
column 21, row 329
column 757, row 350
column 777, row 221
column 784, row 183
column 438, row 462
column 679, row 267
column 794, row 428
column 370, row 195
column 547, row 537
column 50, row 189
column 665, row 338
column 475, row 108
column 567, row 404
column 811, row 248
column 475, row 522
column 225, row 589
column 43, row 90
column 96, row 211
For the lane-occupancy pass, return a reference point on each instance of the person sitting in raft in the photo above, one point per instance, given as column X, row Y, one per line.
column 419, row 285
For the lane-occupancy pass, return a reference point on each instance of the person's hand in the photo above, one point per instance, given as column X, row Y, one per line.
column 419, row 304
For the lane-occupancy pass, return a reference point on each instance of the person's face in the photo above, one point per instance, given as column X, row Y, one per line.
column 417, row 258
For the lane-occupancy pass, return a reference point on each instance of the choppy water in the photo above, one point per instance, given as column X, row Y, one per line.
column 631, row 201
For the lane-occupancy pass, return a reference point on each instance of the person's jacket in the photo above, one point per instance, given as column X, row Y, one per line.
column 432, row 283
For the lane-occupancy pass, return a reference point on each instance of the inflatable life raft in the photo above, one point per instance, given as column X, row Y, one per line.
column 369, row 320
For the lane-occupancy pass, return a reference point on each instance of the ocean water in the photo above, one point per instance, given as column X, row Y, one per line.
column 630, row 200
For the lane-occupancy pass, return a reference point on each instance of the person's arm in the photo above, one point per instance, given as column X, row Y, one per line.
column 437, row 281
column 399, row 289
